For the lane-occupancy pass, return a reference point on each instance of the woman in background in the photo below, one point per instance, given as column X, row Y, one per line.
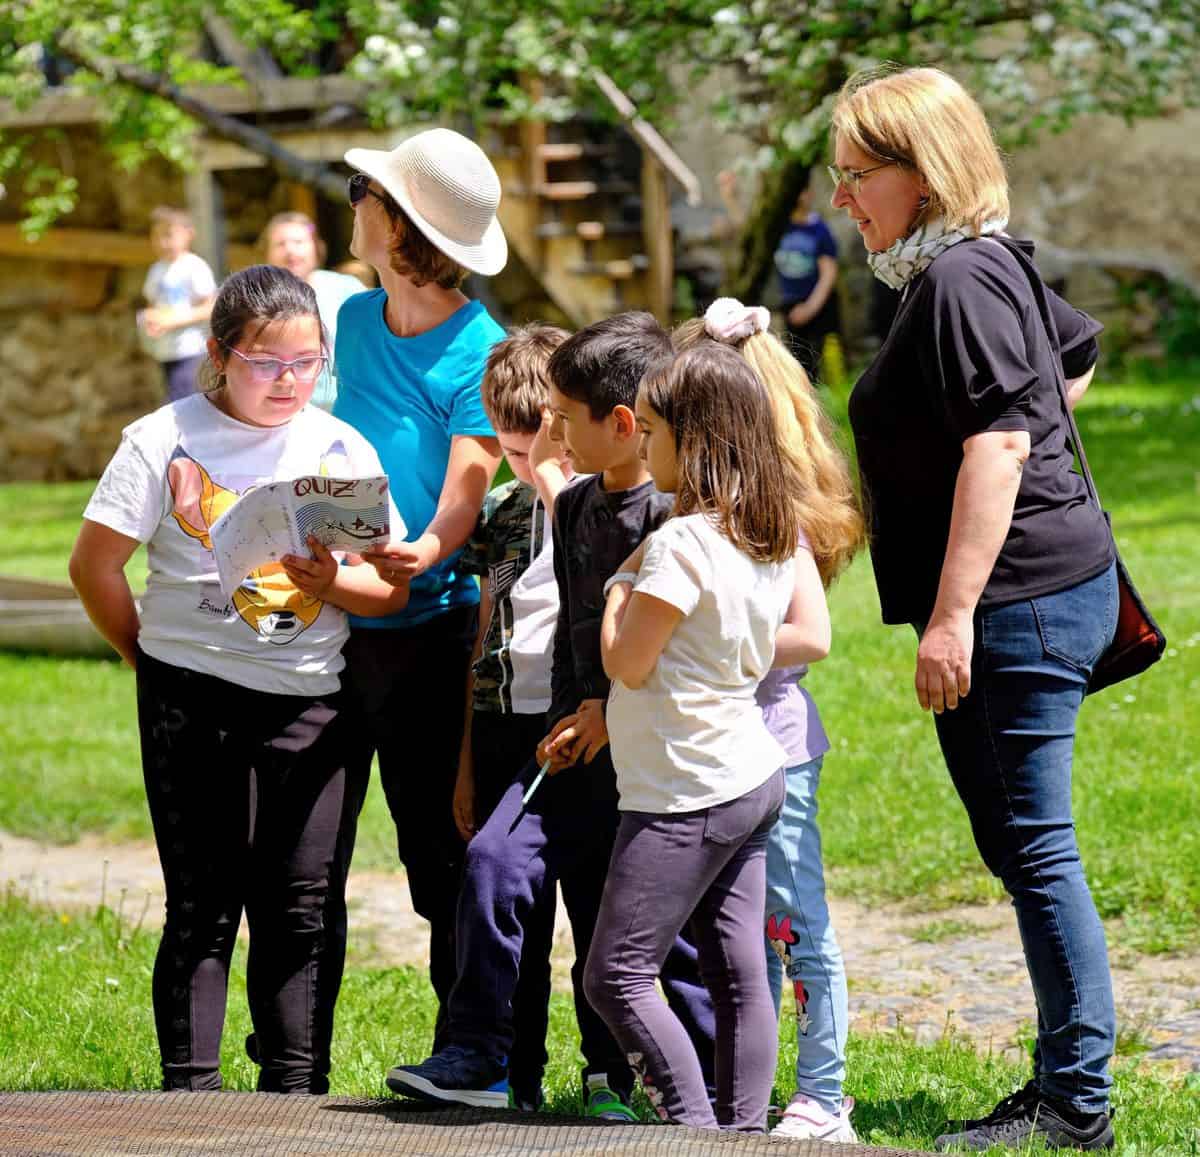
column 292, row 242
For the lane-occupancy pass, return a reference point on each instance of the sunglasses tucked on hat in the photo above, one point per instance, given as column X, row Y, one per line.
column 450, row 191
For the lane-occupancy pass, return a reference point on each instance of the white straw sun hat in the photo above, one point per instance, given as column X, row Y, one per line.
column 450, row 191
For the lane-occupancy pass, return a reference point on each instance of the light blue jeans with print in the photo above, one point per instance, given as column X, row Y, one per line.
column 801, row 941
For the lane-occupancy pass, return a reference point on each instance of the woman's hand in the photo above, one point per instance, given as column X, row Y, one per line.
column 985, row 493
column 944, row 662
column 399, row 563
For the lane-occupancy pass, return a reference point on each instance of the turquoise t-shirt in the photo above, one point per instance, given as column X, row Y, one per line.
column 409, row 396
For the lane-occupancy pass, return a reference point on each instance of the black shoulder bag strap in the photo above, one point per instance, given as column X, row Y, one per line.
column 1138, row 641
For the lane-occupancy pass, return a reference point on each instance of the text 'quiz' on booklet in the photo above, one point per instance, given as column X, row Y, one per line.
column 273, row 520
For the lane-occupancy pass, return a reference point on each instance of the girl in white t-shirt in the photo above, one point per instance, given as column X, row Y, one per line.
column 242, row 729
column 689, row 631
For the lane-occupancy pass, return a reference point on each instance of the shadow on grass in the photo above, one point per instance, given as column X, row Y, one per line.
column 920, row 1115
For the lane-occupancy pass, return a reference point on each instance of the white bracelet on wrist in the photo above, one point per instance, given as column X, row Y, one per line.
column 622, row 576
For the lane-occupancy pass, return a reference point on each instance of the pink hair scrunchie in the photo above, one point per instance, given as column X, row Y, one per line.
column 728, row 320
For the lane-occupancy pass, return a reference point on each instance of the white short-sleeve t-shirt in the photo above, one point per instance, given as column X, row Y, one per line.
column 332, row 290
column 693, row 735
column 176, row 471
column 177, row 285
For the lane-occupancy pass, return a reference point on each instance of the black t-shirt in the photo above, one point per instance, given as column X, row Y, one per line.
column 968, row 352
column 594, row 532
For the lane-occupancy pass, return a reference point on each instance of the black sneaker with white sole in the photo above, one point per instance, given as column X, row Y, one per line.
column 1028, row 1119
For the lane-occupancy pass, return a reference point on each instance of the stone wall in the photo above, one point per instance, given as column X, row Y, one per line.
column 71, row 374
column 71, row 381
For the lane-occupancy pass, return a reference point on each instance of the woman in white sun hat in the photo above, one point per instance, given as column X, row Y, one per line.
column 410, row 356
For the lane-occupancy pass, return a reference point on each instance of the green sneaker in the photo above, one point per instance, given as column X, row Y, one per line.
column 603, row 1103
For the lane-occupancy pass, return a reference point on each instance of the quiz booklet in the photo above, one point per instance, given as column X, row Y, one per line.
column 276, row 519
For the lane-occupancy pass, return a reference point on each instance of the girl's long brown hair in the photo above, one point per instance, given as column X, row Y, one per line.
column 730, row 456
column 828, row 508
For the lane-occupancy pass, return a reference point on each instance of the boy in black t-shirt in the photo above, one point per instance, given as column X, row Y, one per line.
column 565, row 833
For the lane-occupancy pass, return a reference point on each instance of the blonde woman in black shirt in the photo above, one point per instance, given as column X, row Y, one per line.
column 983, row 537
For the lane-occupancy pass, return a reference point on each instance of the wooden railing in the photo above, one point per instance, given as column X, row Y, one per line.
column 659, row 161
column 650, row 139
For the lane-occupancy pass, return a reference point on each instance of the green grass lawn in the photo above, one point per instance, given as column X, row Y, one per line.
column 75, row 1014
column 74, row 989
column 893, row 828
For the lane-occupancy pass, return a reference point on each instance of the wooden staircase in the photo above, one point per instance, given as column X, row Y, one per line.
column 586, row 208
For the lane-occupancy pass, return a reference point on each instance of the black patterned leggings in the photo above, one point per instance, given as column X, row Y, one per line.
column 245, row 791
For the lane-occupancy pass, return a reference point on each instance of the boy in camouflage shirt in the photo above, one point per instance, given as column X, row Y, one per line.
column 508, row 687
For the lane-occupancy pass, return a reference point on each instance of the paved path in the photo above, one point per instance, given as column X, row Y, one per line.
column 961, row 966
column 270, row 1125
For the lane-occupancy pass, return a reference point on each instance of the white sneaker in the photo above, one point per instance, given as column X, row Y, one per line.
column 807, row 1120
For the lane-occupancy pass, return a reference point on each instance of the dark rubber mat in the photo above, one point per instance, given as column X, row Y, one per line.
column 267, row 1125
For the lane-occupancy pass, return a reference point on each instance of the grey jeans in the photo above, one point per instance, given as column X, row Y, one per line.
column 708, row 867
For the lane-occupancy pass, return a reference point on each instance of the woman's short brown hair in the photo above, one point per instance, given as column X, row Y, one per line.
column 414, row 256
column 923, row 119
column 516, row 385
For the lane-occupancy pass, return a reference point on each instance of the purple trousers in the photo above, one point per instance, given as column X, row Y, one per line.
column 709, row 868
column 181, row 376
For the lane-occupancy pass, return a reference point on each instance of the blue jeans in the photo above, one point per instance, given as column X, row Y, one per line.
column 801, row 941
column 1008, row 747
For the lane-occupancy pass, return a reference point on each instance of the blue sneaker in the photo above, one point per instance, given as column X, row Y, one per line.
column 456, row 1075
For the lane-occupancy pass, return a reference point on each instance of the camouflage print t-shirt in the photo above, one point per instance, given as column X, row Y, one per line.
column 511, row 551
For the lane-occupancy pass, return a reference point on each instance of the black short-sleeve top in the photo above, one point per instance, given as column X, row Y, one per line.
column 969, row 352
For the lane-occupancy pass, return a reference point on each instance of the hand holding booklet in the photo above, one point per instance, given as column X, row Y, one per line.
column 273, row 520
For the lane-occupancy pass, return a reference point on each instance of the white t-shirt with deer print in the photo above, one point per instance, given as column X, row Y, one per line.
column 175, row 472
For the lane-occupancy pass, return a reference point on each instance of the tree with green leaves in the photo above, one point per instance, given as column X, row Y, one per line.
column 1035, row 64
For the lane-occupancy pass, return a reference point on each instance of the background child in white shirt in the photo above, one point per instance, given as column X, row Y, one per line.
column 179, row 290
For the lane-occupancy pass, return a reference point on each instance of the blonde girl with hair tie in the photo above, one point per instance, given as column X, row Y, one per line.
column 800, row 938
